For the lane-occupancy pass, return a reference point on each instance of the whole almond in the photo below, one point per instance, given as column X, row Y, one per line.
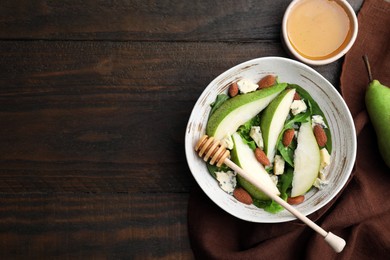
column 320, row 135
column 242, row 196
column 233, row 89
column 267, row 81
column 288, row 136
column 295, row 200
column 261, row 157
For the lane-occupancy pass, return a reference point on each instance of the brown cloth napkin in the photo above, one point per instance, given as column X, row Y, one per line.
column 360, row 213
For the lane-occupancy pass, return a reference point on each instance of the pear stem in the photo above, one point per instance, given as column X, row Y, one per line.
column 367, row 63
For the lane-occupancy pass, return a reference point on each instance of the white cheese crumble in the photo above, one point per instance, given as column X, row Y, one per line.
column 318, row 120
column 246, row 86
column 227, row 141
column 321, row 181
column 320, row 184
column 325, row 158
column 298, row 106
column 227, row 181
column 324, row 162
column 323, row 175
column 278, row 165
column 274, row 178
column 257, row 136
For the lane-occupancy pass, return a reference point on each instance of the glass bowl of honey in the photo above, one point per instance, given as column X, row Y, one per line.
column 318, row 32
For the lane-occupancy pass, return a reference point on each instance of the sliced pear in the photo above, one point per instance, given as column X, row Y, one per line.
column 240, row 109
column 244, row 157
column 306, row 161
column 273, row 120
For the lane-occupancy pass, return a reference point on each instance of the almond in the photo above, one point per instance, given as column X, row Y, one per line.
column 233, row 89
column 267, row 81
column 297, row 96
column 320, row 135
column 261, row 157
column 288, row 136
column 242, row 196
column 295, row 200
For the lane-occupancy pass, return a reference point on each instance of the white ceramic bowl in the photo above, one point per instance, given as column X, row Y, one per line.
column 354, row 31
column 331, row 103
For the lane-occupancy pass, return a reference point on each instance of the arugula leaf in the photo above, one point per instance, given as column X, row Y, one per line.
column 244, row 131
column 314, row 110
column 218, row 102
column 275, row 207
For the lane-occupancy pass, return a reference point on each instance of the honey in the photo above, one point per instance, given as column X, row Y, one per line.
column 319, row 29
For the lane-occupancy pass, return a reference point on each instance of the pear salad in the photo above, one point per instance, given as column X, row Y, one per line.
column 273, row 129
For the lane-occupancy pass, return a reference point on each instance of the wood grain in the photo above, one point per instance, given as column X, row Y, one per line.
column 157, row 20
column 99, row 226
column 75, row 122
column 94, row 102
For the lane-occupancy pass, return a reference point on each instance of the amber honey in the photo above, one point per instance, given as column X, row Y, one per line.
column 319, row 29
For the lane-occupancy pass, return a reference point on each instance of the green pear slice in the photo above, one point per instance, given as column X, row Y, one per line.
column 273, row 119
column 238, row 110
column 306, row 161
column 244, row 157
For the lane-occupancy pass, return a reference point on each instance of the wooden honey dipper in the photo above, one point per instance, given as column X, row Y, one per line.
column 210, row 148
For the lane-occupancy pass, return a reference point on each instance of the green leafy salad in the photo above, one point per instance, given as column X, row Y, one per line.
column 276, row 131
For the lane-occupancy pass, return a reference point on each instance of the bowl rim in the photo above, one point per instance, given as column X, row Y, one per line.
column 293, row 52
column 189, row 147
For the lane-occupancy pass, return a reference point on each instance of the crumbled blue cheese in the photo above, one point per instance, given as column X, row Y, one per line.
column 321, row 181
column 324, row 162
column 318, row 120
column 227, row 141
column 298, row 106
column 325, row 158
column 274, row 178
column 323, row 175
column 279, row 165
column 320, row 184
column 257, row 136
column 246, row 86
column 227, row 181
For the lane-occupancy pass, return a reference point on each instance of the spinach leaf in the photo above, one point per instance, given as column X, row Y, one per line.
column 285, row 180
column 284, row 184
column 213, row 168
column 261, row 203
column 287, row 152
column 269, row 205
column 300, row 118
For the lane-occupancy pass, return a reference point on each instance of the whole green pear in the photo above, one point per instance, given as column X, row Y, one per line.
column 377, row 101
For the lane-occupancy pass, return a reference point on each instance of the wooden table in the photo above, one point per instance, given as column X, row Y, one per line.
column 94, row 102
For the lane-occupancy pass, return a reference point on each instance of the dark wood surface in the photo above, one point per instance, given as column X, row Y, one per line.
column 94, row 101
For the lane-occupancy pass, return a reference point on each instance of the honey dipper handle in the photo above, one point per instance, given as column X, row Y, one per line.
column 334, row 241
